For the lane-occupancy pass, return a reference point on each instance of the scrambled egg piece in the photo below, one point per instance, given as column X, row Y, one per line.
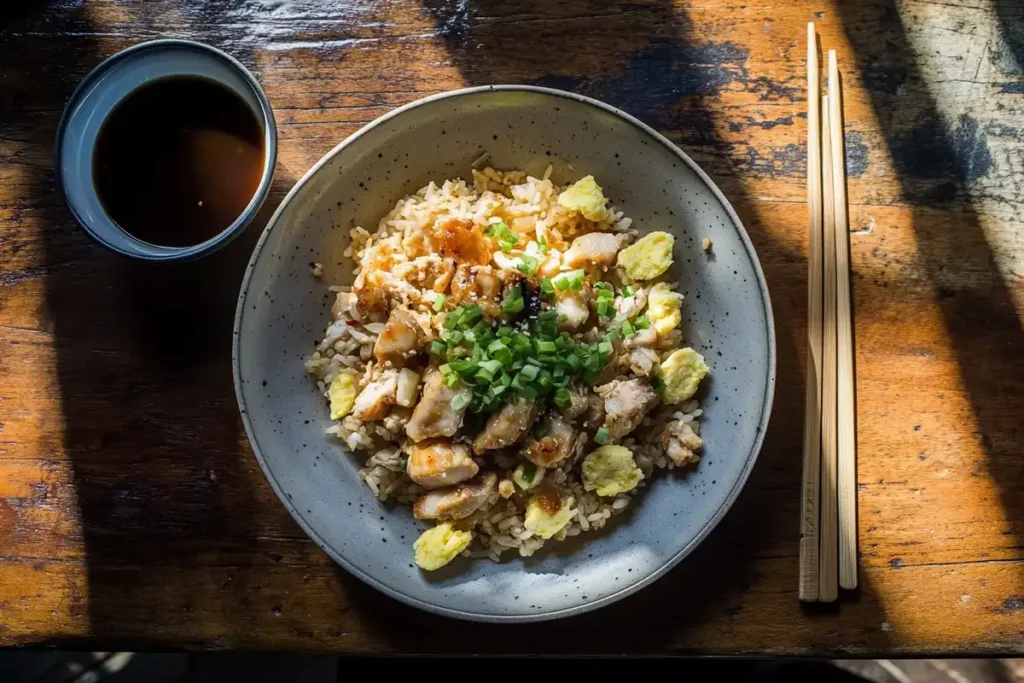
column 649, row 257
column 547, row 512
column 342, row 394
column 610, row 470
column 681, row 372
column 438, row 546
column 663, row 308
column 585, row 196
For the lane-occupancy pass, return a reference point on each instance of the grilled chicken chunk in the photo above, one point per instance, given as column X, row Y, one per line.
column 434, row 415
column 625, row 404
column 680, row 442
column 373, row 401
column 592, row 249
column 458, row 502
column 573, row 308
column 400, row 337
column 557, row 444
column 436, row 463
column 506, row 426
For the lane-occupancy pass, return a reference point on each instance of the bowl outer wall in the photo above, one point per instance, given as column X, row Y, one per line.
column 317, row 482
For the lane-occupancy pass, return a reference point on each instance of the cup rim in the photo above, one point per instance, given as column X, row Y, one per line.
column 265, row 114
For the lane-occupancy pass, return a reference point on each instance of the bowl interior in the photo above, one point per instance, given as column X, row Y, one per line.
column 283, row 311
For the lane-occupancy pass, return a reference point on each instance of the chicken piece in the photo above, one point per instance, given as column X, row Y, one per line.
column 592, row 249
column 643, row 361
column 376, row 397
column 595, row 412
column 629, row 307
column 646, row 337
column 460, row 239
column 434, row 415
column 558, row 442
column 573, row 308
column 427, row 272
column 400, row 338
column 344, row 306
column 437, row 463
column 505, row 426
column 680, row 442
column 578, row 403
column 456, row 503
column 477, row 284
column 408, row 386
column 625, row 404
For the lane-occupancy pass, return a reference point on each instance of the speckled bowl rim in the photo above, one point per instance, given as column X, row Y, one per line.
column 769, row 393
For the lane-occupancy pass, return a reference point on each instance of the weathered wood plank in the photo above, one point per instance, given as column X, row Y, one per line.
column 132, row 514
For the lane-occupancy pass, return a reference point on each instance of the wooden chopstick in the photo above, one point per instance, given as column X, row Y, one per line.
column 828, row 580
column 845, row 407
column 808, row 587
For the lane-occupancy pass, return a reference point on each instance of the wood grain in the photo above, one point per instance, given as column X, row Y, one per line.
column 134, row 514
column 811, row 480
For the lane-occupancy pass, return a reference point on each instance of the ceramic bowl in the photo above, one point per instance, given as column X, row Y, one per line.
column 283, row 310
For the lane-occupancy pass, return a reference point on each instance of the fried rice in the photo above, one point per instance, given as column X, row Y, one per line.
column 508, row 362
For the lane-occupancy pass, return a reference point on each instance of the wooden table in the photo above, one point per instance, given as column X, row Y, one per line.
column 133, row 515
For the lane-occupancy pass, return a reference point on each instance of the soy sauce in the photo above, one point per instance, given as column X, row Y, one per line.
column 178, row 160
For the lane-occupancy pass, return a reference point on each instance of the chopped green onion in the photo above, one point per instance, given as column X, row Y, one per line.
column 547, row 286
column 543, row 244
column 528, row 265
column 513, row 301
column 490, row 365
column 452, row 318
column 505, row 331
column 458, row 402
column 563, row 399
column 453, row 336
column 446, row 369
column 452, row 381
column 508, row 243
column 499, row 229
column 642, row 323
column 627, row 291
column 657, row 383
column 573, row 360
column 528, row 392
column 505, row 379
column 606, row 348
column 604, row 309
column 576, row 280
column 529, row 472
column 439, row 300
column 529, row 372
column 627, row 329
column 546, row 347
column 438, row 348
column 544, row 380
column 602, row 436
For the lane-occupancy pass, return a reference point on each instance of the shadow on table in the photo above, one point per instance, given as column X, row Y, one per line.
column 162, row 475
column 938, row 163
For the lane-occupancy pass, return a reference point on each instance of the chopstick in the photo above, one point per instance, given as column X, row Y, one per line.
column 828, row 580
column 845, row 407
column 808, row 587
